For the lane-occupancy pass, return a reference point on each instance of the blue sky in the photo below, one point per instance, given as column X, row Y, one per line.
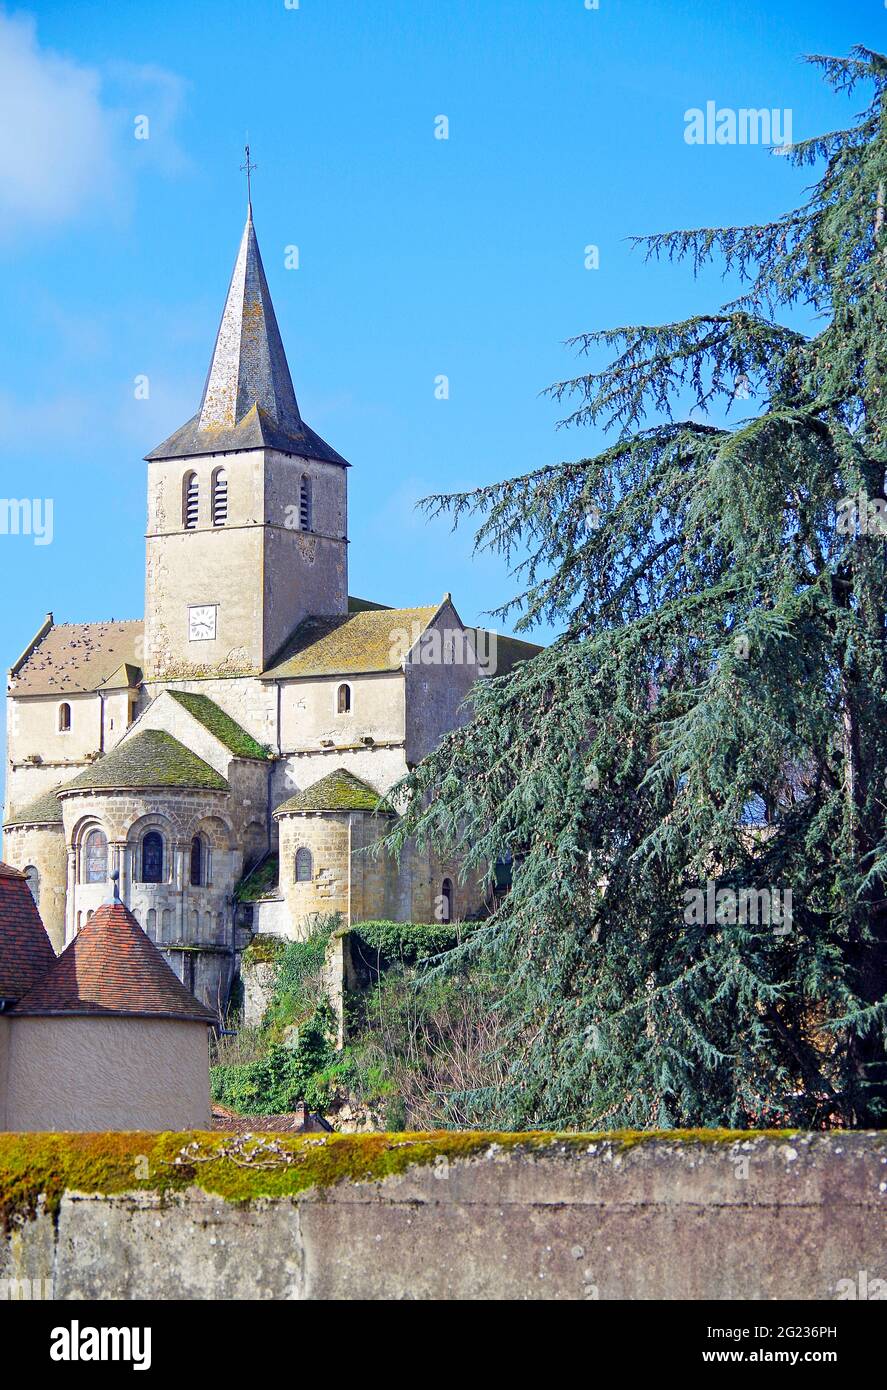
column 418, row 256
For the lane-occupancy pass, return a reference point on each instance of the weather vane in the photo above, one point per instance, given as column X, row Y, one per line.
column 247, row 169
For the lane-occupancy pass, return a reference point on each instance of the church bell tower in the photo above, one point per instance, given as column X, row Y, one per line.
column 247, row 506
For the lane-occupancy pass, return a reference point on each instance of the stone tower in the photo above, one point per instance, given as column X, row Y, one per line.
column 247, row 506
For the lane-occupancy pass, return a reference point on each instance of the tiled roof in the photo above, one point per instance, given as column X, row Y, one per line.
column 73, row 658
column 339, row 791
column 44, row 810
column 351, row 642
column 150, row 759
column 226, row 730
column 25, row 950
column 111, row 967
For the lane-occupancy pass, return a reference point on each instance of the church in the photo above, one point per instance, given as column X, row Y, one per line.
column 228, row 759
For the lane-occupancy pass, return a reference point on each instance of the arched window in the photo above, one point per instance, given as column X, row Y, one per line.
column 303, row 866
column 198, row 866
column 152, row 857
column 220, row 497
column 343, row 699
column 305, row 503
column 190, row 501
column 33, row 877
column 64, row 718
column 446, row 900
column 94, row 867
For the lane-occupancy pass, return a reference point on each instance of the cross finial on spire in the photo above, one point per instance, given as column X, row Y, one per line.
column 248, row 169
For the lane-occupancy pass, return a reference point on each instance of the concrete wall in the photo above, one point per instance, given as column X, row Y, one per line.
column 576, row 1218
column 106, row 1073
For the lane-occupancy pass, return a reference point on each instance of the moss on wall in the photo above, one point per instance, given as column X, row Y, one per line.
column 37, row 1169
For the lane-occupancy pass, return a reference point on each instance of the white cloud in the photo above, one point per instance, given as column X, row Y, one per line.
column 57, row 148
column 68, row 143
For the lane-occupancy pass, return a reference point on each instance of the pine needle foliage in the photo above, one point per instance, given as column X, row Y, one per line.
column 715, row 708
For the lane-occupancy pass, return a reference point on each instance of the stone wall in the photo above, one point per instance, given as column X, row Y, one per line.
column 462, row 1216
column 350, row 878
column 43, row 847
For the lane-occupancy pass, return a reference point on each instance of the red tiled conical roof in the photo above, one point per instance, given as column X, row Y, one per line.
column 111, row 967
column 26, row 952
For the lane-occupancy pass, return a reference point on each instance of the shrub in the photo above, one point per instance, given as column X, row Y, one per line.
column 287, row 1074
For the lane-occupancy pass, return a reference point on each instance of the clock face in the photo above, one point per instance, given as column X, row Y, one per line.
column 202, row 623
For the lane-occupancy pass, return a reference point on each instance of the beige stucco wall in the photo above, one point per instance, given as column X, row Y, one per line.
column 42, row 846
column 107, row 1073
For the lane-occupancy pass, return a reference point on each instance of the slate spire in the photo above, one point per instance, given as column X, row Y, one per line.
column 248, row 401
column 249, row 366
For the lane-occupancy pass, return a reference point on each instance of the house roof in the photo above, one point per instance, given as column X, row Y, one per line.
column 26, row 953
column 248, row 400
column 111, row 967
column 350, row 643
column 43, row 810
column 77, row 658
column 149, row 759
column 221, row 725
column 338, row 791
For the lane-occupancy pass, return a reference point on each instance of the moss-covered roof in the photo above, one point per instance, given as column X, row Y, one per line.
column 44, row 810
column 149, row 759
column 351, row 643
column 226, row 730
column 339, row 791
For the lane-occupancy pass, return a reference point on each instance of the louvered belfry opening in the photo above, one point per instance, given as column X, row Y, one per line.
column 220, row 497
column 305, row 504
column 191, row 501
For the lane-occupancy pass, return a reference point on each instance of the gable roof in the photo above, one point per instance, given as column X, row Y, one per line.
column 149, row 759
column 111, row 967
column 338, row 791
column 78, row 658
column 43, row 810
column 248, row 399
column 26, row 952
column 221, row 725
column 350, row 643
